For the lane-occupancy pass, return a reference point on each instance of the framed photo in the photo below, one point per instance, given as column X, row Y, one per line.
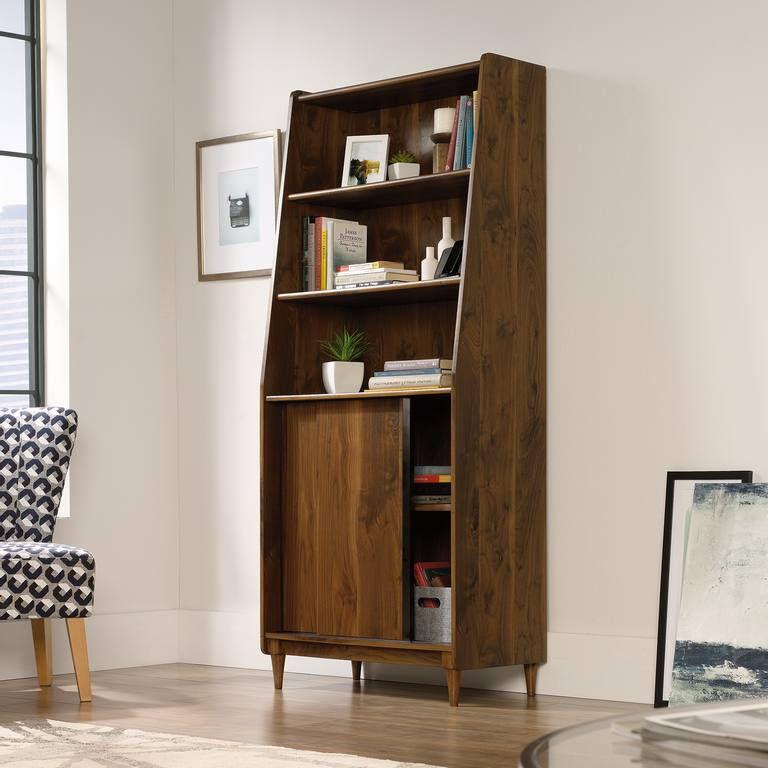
column 678, row 503
column 238, row 181
column 365, row 160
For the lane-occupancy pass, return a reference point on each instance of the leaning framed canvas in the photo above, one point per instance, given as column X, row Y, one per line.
column 721, row 650
column 238, row 180
column 679, row 500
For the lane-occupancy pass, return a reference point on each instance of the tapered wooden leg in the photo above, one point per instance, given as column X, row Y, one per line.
column 454, row 686
column 41, row 637
column 79, row 647
column 357, row 670
column 530, row 678
column 278, row 666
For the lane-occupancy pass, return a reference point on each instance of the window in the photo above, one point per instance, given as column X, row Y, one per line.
column 21, row 258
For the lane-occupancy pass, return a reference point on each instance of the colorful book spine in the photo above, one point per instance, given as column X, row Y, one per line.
column 311, row 254
column 475, row 109
column 318, row 253
column 461, row 136
column 431, row 469
column 425, row 479
column 452, row 145
column 470, row 131
column 432, row 362
column 370, row 266
column 411, row 372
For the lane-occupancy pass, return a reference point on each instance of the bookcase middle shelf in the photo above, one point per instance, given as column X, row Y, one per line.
column 403, row 293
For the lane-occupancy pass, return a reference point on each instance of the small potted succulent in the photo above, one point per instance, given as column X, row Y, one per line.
column 402, row 165
column 344, row 373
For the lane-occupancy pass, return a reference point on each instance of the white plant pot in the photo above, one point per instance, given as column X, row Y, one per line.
column 343, row 378
column 403, row 170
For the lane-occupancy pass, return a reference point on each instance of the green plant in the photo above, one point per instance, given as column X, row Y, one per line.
column 345, row 346
column 403, row 156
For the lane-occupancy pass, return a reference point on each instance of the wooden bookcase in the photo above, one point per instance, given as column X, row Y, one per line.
column 338, row 534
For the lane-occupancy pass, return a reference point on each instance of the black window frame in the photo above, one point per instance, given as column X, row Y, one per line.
column 34, row 155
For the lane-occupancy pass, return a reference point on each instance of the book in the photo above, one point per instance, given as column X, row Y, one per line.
column 305, row 253
column 431, row 498
column 378, row 276
column 311, row 253
column 368, row 284
column 370, row 265
column 452, row 145
column 431, row 469
column 470, row 132
column 432, row 362
column 318, row 260
column 432, row 479
column 429, row 380
column 347, row 245
column 461, row 136
column 475, row 109
column 411, row 371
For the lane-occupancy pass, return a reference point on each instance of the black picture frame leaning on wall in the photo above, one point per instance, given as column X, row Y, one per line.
column 671, row 573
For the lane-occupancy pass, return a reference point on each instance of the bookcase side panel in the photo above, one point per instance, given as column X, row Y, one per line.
column 499, row 397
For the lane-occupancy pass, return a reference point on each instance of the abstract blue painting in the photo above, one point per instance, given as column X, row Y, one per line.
column 722, row 634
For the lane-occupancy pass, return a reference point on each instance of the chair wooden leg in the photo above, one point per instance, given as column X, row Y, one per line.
column 530, row 678
column 357, row 669
column 454, row 686
column 278, row 667
column 41, row 637
column 79, row 647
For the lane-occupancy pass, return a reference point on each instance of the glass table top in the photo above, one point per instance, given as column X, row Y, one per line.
column 616, row 743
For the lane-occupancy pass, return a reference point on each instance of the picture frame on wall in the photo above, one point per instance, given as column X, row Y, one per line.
column 238, row 182
column 365, row 160
column 678, row 502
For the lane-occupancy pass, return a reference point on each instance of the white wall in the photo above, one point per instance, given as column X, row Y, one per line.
column 122, row 335
column 657, row 268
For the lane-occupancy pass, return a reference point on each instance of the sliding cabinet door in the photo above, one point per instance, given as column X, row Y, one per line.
column 342, row 513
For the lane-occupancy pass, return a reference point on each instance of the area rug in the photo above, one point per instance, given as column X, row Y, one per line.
column 55, row 744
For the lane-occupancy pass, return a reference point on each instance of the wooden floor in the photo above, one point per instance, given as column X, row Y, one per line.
column 389, row 720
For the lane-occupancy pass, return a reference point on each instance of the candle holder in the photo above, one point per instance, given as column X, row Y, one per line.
column 441, row 137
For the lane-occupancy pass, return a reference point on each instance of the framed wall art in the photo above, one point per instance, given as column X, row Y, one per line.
column 678, row 504
column 238, row 181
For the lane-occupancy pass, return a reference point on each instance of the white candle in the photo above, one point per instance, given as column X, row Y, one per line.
column 444, row 119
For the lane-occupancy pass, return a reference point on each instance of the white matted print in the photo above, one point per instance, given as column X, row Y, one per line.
column 238, row 179
column 365, row 160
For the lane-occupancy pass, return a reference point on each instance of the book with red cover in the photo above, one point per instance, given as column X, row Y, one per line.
column 452, row 146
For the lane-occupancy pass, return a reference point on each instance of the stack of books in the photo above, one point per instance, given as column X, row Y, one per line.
column 463, row 133
column 412, row 374
column 373, row 273
column 328, row 244
column 432, row 485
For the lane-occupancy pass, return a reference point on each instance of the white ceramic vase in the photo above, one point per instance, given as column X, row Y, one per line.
column 403, row 170
column 343, row 378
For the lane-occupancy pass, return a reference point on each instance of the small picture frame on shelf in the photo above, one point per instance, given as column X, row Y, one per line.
column 365, row 160
column 678, row 503
column 238, row 180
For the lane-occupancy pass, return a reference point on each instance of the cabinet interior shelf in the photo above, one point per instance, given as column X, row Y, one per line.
column 431, row 507
column 361, row 395
column 429, row 290
column 432, row 186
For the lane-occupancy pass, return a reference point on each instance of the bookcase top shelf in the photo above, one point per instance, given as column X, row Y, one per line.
column 431, row 290
column 432, row 186
column 422, row 86
column 361, row 395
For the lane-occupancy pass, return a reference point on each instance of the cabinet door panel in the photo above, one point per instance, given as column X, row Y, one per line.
column 343, row 518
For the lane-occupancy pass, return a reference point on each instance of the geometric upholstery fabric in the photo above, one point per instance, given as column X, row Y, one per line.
column 41, row 581
column 35, row 448
column 38, row 579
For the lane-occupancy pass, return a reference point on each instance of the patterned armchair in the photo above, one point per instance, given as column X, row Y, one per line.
column 40, row 580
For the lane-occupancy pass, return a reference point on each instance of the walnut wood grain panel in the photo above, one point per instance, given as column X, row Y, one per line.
column 499, row 394
column 343, row 518
column 361, row 653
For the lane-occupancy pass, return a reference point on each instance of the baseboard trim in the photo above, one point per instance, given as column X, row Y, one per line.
column 606, row 667
column 115, row 640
